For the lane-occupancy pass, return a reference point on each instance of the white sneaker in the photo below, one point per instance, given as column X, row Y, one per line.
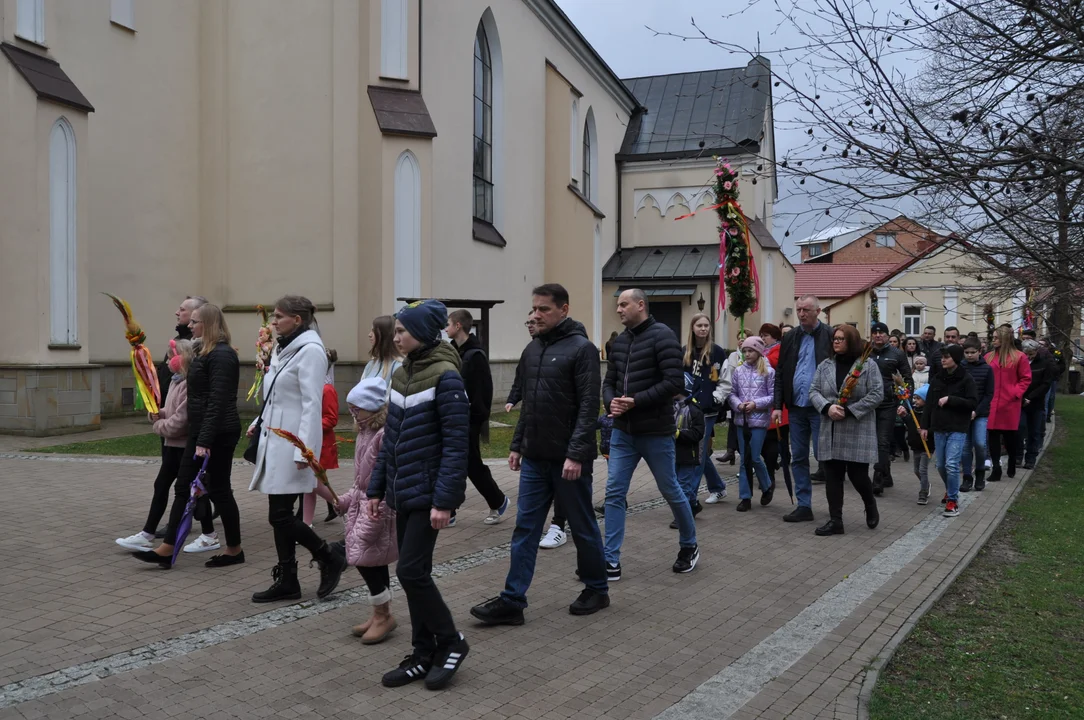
column 554, row 538
column 989, row 463
column 497, row 514
column 716, row 497
column 202, row 544
column 135, row 542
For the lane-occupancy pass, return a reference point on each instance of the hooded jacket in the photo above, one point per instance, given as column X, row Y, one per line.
column 369, row 542
column 560, row 379
column 955, row 414
column 750, row 386
column 477, row 379
column 423, row 459
column 645, row 364
column 1043, row 373
column 983, row 376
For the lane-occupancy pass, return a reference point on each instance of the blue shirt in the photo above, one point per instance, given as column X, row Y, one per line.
column 807, row 365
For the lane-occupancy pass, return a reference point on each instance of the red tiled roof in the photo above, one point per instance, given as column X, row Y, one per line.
column 840, row 281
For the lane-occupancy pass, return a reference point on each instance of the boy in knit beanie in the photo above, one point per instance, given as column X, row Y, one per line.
column 421, row 473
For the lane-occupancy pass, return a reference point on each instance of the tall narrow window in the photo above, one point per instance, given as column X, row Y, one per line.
column 586, row 183
column 574, row 145
column 62, row 240
column 393, row 39
column 30, row 20
column 589, row 182
column 122, row 12
column 483, row 127
column 407, row 232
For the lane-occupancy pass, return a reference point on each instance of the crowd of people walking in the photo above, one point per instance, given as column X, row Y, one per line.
column 423, row 404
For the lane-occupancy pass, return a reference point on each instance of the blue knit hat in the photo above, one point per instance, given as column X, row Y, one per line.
column 424, row 320
column 922, row 392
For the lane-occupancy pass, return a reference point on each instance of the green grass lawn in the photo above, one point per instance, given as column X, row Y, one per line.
column 1007, row 639
column 148, row 445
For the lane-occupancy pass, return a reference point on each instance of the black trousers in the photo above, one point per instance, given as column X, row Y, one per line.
column 994, row 439
column 430, row 619
column 217, row 482
column 560, row 519
column 834, row 472
column 1032, row 432
column 773, row 447
column 167, row 473
column 289, row 529
column 377, row 579
column 479, row 473
column 886, row 424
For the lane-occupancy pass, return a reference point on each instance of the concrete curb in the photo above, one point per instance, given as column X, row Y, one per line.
column 870, row 680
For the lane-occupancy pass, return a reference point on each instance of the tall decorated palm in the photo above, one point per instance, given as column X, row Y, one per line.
column 739, row 286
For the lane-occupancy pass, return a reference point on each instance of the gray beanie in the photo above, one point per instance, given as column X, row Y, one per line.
column 369, row 394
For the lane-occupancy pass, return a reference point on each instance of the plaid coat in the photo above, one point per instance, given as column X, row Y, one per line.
column 854, row 438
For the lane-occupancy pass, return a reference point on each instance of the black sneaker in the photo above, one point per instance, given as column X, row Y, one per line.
column 613, row 572
column 498, row 611
column 767, row 495
column 446, row 662
column 744, row 505
column 589, row 602
column 799, row 514
column 600, row 510
column 412, row 668
column 686, row 559
column 967, row 484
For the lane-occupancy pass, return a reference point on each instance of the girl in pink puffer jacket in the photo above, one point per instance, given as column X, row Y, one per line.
column 751, row 400
column 370, row 543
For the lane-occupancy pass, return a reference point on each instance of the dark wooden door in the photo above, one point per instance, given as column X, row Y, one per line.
column 668, row 312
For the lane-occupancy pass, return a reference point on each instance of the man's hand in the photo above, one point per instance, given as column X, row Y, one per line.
column 942, row 401
column 572, row 470
column 972, row 415
column 1026, row 403
column 901, row 411
column 439, row 519
column 836, row 412
column 925, row 434
column 514, row 461
column 202, row 451
column 374, row 508
column 777, row 417
column 508, row 407
column 621, row 405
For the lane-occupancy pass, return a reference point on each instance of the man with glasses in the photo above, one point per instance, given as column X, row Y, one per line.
column 800, row 351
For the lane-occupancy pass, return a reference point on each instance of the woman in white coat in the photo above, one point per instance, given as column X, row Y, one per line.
column 293, row 398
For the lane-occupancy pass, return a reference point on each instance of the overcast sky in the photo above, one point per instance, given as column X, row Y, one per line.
column 618, row 30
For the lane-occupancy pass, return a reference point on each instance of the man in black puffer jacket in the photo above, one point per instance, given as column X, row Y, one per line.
column 645, row 374
column 554, row 449
column 890, row 360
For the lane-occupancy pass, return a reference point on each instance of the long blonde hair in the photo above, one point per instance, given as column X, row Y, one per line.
column 690, row 346
column 215, row 329
column 186, row 349
column 1007, row 355
column 762, row 363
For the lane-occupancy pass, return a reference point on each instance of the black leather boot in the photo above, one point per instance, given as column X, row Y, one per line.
column 284, row 585
column 872, row 516
column 995, row 473
column 332, row 563
column 980, row 480
column 878, row 486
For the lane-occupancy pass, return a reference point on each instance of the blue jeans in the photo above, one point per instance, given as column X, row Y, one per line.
column 805, row 428
column 626, row 452
column 948, row 451
column 708, row 470
column 688, row 477
column 540, row 482
column 753, row 457
column 975, row 446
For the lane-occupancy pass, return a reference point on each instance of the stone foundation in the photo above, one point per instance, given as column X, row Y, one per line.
column 41, row 400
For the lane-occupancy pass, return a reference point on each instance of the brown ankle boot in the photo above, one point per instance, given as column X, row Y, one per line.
column 383, row 624
column 360, row 630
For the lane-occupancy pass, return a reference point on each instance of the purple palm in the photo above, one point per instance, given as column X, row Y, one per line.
column 195, row 490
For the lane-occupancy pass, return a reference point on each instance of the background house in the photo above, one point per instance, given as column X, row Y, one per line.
column 354, row 151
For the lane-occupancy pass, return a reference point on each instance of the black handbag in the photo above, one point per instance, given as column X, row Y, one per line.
column 254, row 441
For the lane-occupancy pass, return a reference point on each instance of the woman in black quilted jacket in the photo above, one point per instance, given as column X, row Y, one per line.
column 213, row 432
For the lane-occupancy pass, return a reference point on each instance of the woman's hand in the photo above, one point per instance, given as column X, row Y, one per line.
column 202, row 451
column 251, row 431
column 942, row 401
column 301, row 465
column 836, row 412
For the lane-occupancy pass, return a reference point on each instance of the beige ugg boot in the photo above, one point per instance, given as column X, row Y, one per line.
column 383, row 623
column 360, row 630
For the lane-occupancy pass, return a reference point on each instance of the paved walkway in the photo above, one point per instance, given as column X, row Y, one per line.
column 773, row 623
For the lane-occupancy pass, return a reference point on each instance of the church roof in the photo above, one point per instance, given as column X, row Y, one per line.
column 699, row 114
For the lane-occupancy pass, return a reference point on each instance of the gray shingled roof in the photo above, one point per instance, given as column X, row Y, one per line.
column 720, row 108
column 675, row 262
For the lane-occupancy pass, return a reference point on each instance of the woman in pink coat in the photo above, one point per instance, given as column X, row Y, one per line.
column 370, row 543
column 1012, row 375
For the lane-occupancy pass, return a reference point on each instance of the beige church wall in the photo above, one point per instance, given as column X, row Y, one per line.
column 463, row 267
column 142, row 157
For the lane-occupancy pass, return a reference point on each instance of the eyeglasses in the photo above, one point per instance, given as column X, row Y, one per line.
column 839, row 339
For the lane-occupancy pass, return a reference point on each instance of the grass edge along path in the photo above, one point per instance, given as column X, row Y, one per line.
column 1006, row 640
